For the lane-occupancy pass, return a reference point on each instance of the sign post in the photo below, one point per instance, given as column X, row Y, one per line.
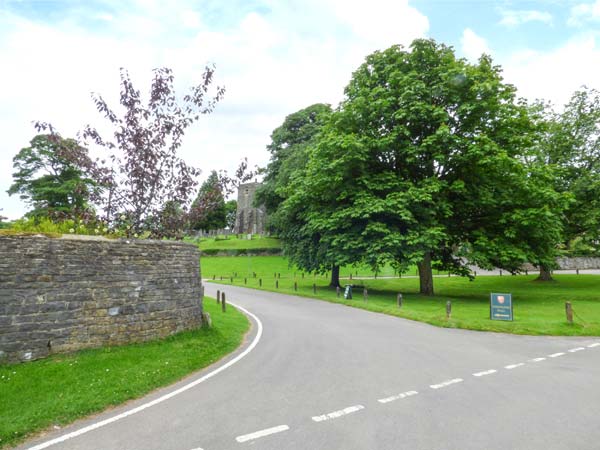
column 501, row 307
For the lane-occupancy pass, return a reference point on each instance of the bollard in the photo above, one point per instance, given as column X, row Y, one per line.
column 276, row 284
column 399, row 300
column 448, row 274
column 314, row 288
column 365, row 294
column 260, row 282
column 218, row 296
column 526, row 272
column 577, row 271
column 231, row 280
column 569, row 311
column 350, row 277
column 337, row 291
column 245, row 281
column 223, row 302
column 500, row 272
column 375, row 275
column 295, row 286
column 254, row 274
column 221, row 277
column 303, row 275
column 448, row 309
column 279, row 276
column 400, row 275
column 214, row 277
column 275, row 275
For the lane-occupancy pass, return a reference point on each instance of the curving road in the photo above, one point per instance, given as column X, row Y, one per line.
column 325, row 376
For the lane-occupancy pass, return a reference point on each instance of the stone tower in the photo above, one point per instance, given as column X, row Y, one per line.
column 249, row 219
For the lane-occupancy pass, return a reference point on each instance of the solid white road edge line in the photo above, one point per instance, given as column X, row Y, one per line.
column 340, row 413
column 164, row 397
column 578, row 349
column 555, row 355
column 446, row 383
column 514, row 366
column 397, row 397
column 262, row 433
column 537, row 359
column 484, row 373
column 595, row 344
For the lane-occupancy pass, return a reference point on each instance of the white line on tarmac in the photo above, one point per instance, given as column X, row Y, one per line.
column 595, row 344
column 397, row 397
column 555, row 355
column 336, row 414
column 262, row 433
column 484, row 373
column 446, row 383
column 577, row 349
column 514, row 366
column 158, row 400
column 537, row 359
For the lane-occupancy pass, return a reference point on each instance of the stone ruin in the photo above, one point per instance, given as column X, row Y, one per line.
column 249, row 219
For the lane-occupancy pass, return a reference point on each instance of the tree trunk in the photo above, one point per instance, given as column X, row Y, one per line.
column 425, row 275
column 335, row 276
column 545, row 274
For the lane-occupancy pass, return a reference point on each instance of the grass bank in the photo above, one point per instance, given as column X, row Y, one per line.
column 539, row 308
column 233, row 243
column 57, row 390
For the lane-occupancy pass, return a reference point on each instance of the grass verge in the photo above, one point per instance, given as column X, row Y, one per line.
column 539, row 308
column 57, row 390
column 233, row 243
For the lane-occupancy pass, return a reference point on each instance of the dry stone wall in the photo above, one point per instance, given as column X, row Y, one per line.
column 66, row 294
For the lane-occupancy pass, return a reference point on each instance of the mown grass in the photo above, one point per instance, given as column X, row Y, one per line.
column 267, row 266
column 57, row 390
column 233, row 243
column 539, row 308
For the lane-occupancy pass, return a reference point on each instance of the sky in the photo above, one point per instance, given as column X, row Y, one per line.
column 273, row 57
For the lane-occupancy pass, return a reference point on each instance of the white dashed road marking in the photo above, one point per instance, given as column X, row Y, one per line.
column 555, row 355
column 340, row 413
column 595, row 344
column 514, row 366
column 446, row 383
column 262, row 433
column 537, row 359
column 397, row 397
column 484, row 373
column 578, row 349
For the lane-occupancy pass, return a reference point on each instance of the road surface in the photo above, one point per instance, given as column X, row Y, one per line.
column 316, row 375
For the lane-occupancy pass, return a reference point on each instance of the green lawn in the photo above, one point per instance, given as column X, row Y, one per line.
column 233, row 243
column 57, row 390
column 538, row 307
column 267, row 266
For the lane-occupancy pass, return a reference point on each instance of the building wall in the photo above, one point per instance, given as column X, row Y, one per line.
column 60, row 295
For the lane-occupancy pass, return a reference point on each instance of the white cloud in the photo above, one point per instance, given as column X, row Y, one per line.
column 298, row 53
column 514, row 17
column 472, row 45
column 554, row 75
column 584, row 12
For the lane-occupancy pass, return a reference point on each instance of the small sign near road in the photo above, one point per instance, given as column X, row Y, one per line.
column 501, row 307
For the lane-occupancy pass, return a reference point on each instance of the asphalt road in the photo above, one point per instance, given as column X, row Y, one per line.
column 325, row 376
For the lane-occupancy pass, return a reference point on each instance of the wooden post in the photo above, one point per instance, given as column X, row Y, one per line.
column 526, row 272
column 245, row 280
column 577, row 271
column 218, row 296
column 350, row 277
column 314, row 288
column 260, row 282
column 303, row 275
column 365, row 294
column 569, row 311
column 399, row 300
column 276, row 284
column 448, row 274
column 214, row 276
column 279, row 276
column 275, row 275
column 295, row 286
column 223, row 302
column 221, row 277
column 231, row 279
column 337, row 291
column 448, row 309
column 500, row 272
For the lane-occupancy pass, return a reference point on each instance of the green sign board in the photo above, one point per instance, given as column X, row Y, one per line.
column 348, row 292
column 501, row 307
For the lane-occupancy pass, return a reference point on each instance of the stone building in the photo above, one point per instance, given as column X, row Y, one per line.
column 249, row 219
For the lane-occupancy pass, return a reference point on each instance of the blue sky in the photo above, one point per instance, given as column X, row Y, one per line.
column 274, row 57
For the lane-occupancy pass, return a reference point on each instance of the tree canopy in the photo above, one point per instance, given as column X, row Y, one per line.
column 425, row 162
column 50, row 176
column 208, row 210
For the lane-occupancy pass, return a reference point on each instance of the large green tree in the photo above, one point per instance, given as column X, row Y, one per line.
column 289, row 148
column 573, row 146
column 50, row 176
column 424, row 162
